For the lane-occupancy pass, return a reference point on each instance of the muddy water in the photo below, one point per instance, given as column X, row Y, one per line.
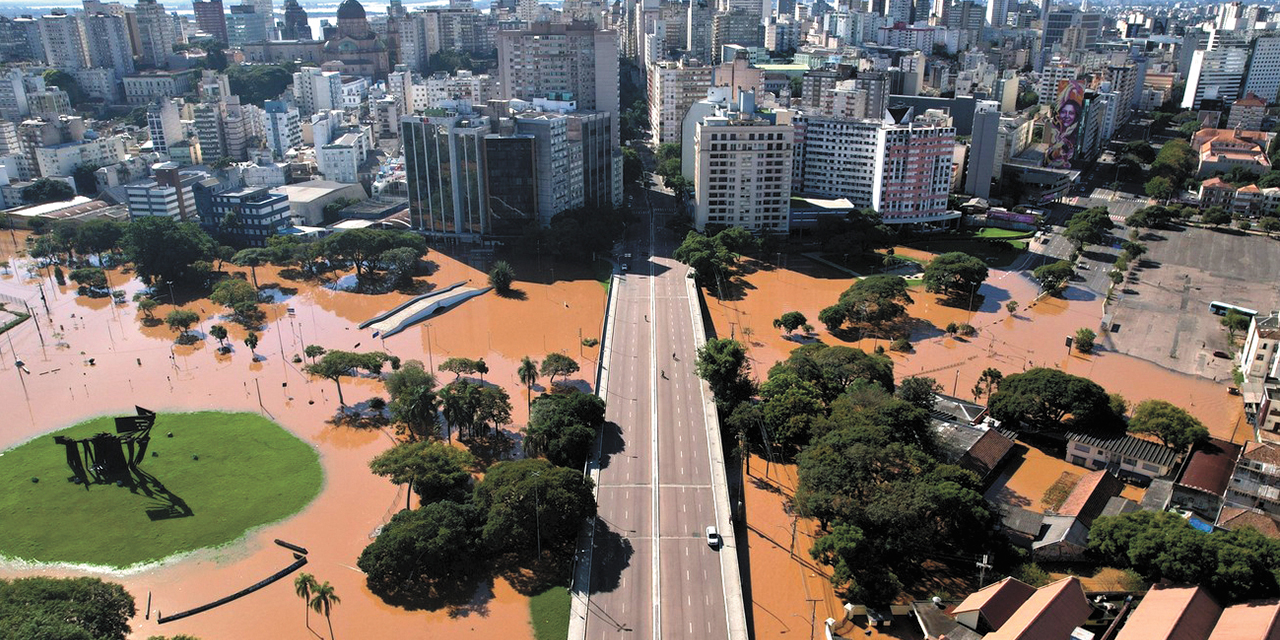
column 139, row 364
column 1034, row 336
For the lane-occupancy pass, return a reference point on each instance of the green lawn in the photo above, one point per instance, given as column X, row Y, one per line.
column 250, row 472
column 550, row 613
column 993, row 232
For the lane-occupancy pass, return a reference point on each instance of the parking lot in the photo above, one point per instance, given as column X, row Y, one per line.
column 1162, row 312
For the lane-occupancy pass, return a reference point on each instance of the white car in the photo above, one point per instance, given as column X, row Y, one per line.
column 713, row 537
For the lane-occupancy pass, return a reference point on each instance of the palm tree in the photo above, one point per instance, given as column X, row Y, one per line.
column 303, row 585
column 323, row 601
column 528, row 373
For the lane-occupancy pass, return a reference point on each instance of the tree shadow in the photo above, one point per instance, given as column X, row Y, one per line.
column 512, row 294
column 611, row 556
column 490, row 447
column 464, row 590
column 611, row 442
column 553, row 569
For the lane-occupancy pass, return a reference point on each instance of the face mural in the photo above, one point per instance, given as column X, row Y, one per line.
column 1060, row 131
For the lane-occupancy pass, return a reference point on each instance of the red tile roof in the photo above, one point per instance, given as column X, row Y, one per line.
column 1262, row 452
column 1052, row 613
column 1090, row 496
column 1257, row 620
column 997, row 602
column 1232, row 518
column 1172, row 613
column 1210, row 466
column 987, row 453
column 1250, row 100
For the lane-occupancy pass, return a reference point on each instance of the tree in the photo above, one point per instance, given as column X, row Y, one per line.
column 336, row 364
column 67, row 82
column 303, row 585
column 416, row 410
column 363, row 248
column 632, row 167
column 253, row 258
column 256, row 83
column 41, row 608
column 1084, row 339
column 790, row 321
column 1235, row 322
column 423, row 549
column 472, row 408
column 954, row 272
column 165, row 250
column 1160, row 188
column 1044, row 397
column 990, row 377
column 501, row 276
column 920, row 391
column 871, row 303
column 834, row 369
column 1270, row 224
column 92, row 280
column 458, row 366
column 219, row 333
column 436, row 470
column 180, row 320
column 313, row 351
column 711, row 261
column 557, row 364
column 98, row 236
column 322, row 600
column 1053, row 275
column 400, row 264
column 1172, row 425
column 251, row 341
column 147, row 306
column 47, row 190
column 527, row 502
column 563, row 426
column 1011, row 306
column 858, row 569
column 722, row 362
column 1215, row 216
column 528, row 374
column 85, row 178
column 230, row 292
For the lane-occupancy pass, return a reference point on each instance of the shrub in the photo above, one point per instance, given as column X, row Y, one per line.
column 901, row 345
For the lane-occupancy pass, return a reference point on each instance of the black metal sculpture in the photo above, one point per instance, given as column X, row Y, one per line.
column 104, row 455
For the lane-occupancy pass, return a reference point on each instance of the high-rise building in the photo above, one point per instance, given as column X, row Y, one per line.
column 245, row 25
column 742, row 166
column 734, row 27
column 282, row 127
column 673, row 88
column 558, row 60
column 20, row 39
column 1263, row 77
column 64, row 43
column 315, row 90
column 997, row 13
column 155, row 32
column 169, row 194
column 980, row 169
column 259, row 214
column 444, row 166
column 1215, row 74
column 164, row 125
column 698, row 38
column 210, row 18
column 107, row 36
column 208, row 124
column 295, row 22
column 559, row 179
column 13, row 96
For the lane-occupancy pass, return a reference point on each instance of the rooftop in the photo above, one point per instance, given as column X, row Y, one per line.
column 1232, row 518
column 314, row 189
column 1210, row 467
column 997, row 602
column 1256, row 620
column 1127, row 446
column 1090, row 496
column 1172, row 613
column 1053, row 611
column 1265, row 452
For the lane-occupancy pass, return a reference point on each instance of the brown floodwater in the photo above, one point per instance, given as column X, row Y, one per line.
column 134, row 363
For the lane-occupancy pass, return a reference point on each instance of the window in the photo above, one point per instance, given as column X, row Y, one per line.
column 1150, row 467
column 1083, row 448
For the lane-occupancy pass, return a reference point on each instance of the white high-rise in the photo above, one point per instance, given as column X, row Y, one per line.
column 315, row 90
column 1263, row 78
column 673, row 88
column 742, row 165
column 64, row 43
column 282, row 127
column 155, row 32
column 109, row 45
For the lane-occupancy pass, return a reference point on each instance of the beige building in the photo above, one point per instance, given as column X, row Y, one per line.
column 562, row 61
column 742, row 166
column 673, row 88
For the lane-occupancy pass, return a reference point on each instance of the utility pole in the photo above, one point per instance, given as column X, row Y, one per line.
column 983, row 565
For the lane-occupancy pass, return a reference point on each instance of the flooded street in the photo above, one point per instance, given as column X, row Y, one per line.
column 133, row 363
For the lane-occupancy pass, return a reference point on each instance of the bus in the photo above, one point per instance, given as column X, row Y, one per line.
column 1221, row 309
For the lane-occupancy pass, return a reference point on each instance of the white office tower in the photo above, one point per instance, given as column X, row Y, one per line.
column 1263, row 78
column 64, row 43
column 997, row 13
column 155, row 33
column 315, row 90
column 13, row 96
column 109, row 45
column 742, row 166
column 164, row 125
column 1216, row 72
column 282, row 127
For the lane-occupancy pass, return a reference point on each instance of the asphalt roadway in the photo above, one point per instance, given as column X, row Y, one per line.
column 653, row 574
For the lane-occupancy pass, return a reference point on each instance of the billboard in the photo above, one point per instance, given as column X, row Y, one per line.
column 1063, row 124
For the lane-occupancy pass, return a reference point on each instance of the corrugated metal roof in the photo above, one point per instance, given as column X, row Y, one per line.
column 1127, row 446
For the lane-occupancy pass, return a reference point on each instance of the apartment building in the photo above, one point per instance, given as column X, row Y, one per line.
column 673, row 88
column 282, row 127
column 551, row 60
column 340, row 159
column 1255, row 483
column 169, row 194
column 315, row 90
column 250, row 216
column 742, row 168
column 155, row 33
column 164, row 125
column 64, row 42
